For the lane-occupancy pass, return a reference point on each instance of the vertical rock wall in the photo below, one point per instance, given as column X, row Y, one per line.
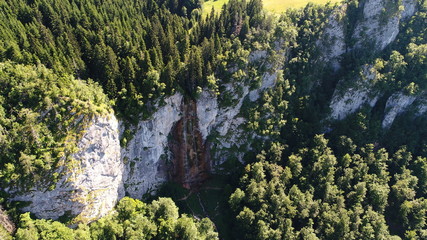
column 92, row 186
column 395, row 105
column 175, row 142
column 332, row 44
column 146, row 154
column 346, row 102
column 377, row 28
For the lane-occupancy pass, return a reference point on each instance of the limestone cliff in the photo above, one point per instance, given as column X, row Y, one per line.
column 91, row 184
column 225, row 124
column 399, row 103
column 185, row 138
column 146, row 154
column 374, row 30
column 395, row 105
column 102, row 171
column 347, row 99
column 333, row 43
column 377, row 27
column 180, row 140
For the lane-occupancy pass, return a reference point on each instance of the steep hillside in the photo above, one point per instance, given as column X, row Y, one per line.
column 324, row 106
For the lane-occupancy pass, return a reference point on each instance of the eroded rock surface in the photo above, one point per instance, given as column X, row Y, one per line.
column 346, row 101
column 146, row 154
column 6, row 222
column 378, row 27
column 332, row 43
column 92, row 184
column 395, row 105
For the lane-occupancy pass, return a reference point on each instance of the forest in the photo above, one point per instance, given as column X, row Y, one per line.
column 306, row 175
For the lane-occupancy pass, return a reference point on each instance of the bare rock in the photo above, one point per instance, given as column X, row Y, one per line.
column 92, row 183
column 145, row 155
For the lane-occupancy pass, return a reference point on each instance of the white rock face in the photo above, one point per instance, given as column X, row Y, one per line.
column 223, row 121
column 104, row 172
column 332, row 43
column 422, row 107
column 369, row 29
column 207, row 111
column 395, row 105
column 91, row 188
column 268, row 81
column 144, row 167
column 226, row 121
column 257, row 55
column 353, row 98
column 226, row 115
column 410, row 8
column 350, row 102
column 381, row 33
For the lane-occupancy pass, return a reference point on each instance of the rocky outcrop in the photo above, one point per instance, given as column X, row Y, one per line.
column 207, row 112
column 182, row 137
column 409, row 8
column 146, row 154
column 6, row 222
column 227, row 128
column 92, row 182
column 268, row 81
column 375, row 28
column 380, row 24
column 395, row 105
column 347, row 100
column 378, row 27
column 400, row 103
column 422, row 106
column 102, row 171
column 224, row 124
column 172, row 144
column 332, row 43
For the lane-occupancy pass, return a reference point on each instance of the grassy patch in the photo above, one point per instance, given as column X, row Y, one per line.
column 279, row 6
column 276, row 6
column 216, row 4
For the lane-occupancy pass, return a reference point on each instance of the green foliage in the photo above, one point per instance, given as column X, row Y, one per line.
column 137, row 51
column 42, row 229
column 132, row 219
column 42, row 116
column 353, row 196
column 4, row 234
column 299, row 186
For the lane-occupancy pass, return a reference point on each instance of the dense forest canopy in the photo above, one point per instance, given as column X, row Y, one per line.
column 308, row 177
column 137, row 50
